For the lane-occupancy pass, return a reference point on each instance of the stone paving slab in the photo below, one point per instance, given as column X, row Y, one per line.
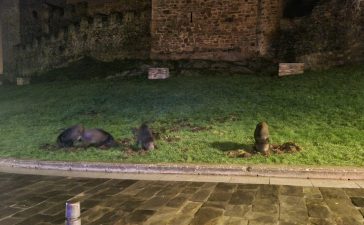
column 194, row 178
column 36, row 199
column 334, row 183
column 360, row 183
column 250, row 180
column 291, row 181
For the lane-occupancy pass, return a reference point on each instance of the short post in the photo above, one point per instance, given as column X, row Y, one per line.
column 73, row 213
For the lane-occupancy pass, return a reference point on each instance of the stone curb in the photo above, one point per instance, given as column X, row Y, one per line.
column 281, row 171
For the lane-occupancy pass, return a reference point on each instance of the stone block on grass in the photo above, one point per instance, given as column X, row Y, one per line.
column 158, row 73
column 287, row 69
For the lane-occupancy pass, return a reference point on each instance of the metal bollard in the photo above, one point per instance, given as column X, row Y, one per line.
column 73, row 213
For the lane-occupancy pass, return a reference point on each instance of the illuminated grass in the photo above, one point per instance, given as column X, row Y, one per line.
column 323, row 112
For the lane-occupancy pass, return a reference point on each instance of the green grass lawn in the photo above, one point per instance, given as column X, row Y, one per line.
column 198, row 117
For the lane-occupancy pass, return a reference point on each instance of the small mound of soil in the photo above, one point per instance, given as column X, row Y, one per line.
column 125, row 142
column 288, row 147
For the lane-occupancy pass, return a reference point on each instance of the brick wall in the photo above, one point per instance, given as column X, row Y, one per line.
column 212, row 29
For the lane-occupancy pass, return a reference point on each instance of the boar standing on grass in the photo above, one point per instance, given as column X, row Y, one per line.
column 144, row 137
column 261, row 136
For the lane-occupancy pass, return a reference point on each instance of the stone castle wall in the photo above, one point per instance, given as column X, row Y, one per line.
column 52, row 33
column 41, row 17
column 10, row 26
column 107, row 7
column 269, row 16
column 1, row 53
column 213, row 29
column 106, row 37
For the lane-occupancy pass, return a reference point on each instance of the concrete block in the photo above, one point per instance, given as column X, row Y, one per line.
column 158, row 73
column 286, row 69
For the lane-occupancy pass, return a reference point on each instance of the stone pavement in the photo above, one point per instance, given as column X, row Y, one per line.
column 34, row 199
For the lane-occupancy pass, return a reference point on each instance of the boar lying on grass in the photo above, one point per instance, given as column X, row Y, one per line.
column 78, row 136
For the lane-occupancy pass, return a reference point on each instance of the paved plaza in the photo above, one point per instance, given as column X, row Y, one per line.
column 34, row 199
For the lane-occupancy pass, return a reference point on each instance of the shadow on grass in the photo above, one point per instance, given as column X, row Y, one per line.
column 231, row 146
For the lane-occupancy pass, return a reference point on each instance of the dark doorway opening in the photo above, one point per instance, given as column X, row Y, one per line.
column 298, row 8
column 35, row 14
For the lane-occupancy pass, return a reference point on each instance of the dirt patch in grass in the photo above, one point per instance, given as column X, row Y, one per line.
column 125, row 143
column 232, row 117
column 161, row 134
column 183, row 124
column 54, row 147
column 235, row 150
column 288, row 147
column 186, row 125
column 167, row 131
column 130, row 149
